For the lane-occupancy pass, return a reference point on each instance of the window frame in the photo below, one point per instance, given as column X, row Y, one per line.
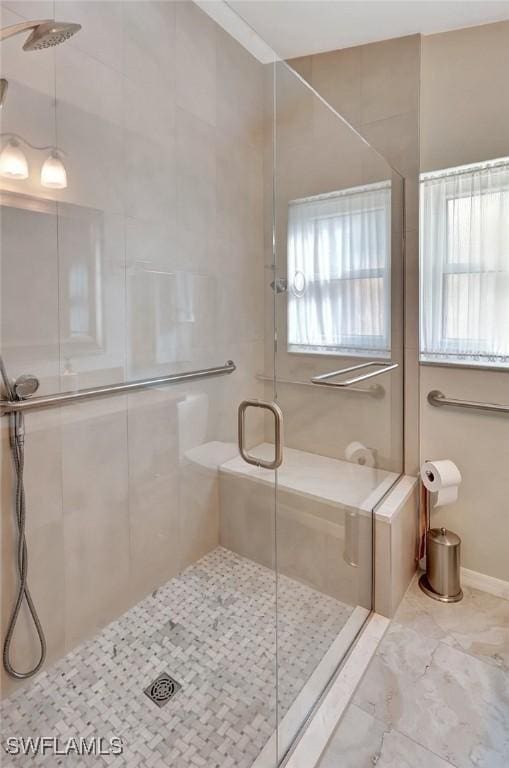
column 350, row 344
column 449, row 353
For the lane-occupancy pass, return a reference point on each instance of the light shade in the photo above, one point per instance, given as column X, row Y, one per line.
column 53, row 173
column 13, row 162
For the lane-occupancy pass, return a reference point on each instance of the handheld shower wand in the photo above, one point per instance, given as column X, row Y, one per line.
column 23, row 387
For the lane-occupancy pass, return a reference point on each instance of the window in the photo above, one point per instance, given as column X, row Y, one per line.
column 464, row 265
column 339, row 272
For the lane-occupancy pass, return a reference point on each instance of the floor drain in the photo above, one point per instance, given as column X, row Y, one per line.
column 162, row 689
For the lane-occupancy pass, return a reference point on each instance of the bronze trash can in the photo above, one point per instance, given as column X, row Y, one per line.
column 442, row 578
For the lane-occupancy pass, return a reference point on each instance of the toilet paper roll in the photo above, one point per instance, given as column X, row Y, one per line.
column 360, row 454
column 441, row 477
column 446, row 496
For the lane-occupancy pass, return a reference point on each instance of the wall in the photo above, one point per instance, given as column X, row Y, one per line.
column 135, row 270
column 465, row 119
column 376, row 88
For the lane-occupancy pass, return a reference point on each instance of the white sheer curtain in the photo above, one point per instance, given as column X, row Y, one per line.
column 339, row 272
column 464, row 256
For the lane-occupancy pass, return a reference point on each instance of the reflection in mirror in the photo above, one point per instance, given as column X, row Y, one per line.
column 79, row 261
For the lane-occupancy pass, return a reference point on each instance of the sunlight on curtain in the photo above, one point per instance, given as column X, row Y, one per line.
column 339, row 272
column 464, row 263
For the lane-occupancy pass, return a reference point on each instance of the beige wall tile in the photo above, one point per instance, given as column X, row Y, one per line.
column 154, row 514
column 337, row 77
column 101, row 34
column 397, row 138
column 47, row 586
column 149, row 42
column 247, row 519
column 43, row 469
column 464, row 114
column 389, row 78
column 94, row 448
column 239, row 93
column 96, row 552
column 195, row 69
column 199, row 512
column 412, row 423
column 303, row 66
column 412, row 289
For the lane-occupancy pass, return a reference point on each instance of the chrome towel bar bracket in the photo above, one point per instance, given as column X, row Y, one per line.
column 324, row 378
column 65, row 398
column 438, row 399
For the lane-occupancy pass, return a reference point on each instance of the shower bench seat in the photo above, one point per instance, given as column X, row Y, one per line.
column 324, row 520
column 327, row 512
column 337, row 482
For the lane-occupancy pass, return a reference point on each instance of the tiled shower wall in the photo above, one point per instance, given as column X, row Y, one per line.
column 151, row 261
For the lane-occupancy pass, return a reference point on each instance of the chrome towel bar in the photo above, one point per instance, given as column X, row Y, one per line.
column 438, row 399
column 376, row 390
column 65, row 398
column 323, row 379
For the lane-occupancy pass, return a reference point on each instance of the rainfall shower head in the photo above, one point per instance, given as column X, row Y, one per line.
column 25, row 386
column 45, row 34
column 50, row 33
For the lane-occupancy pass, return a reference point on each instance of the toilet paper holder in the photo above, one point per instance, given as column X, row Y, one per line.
column 442, row 546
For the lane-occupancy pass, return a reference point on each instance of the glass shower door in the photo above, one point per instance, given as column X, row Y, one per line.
column 338, row 381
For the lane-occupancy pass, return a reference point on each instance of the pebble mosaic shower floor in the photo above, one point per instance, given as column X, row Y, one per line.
column 213, row 630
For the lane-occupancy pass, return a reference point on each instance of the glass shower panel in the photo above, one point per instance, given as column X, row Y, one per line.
column 338, row 272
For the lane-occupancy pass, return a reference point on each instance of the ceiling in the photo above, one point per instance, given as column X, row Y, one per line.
column 299, row 27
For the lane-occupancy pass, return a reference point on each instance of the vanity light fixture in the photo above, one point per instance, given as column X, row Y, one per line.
column 53, row 173
column 13, row 162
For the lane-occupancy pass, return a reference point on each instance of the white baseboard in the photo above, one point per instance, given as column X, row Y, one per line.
column 485, row 583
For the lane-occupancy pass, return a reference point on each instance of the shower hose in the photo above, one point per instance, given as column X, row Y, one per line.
column 17, row 439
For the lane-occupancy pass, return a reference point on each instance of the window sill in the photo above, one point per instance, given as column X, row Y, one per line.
column 467, row 366
column 357, row 355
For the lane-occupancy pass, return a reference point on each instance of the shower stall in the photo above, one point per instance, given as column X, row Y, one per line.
column 207, row 283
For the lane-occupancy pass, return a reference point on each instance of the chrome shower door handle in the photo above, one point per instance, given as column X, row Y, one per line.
column 278, row 433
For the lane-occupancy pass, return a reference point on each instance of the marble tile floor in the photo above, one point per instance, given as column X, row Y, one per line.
column 436, row 693
column 212, row 628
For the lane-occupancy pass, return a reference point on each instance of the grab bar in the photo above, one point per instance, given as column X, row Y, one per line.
column 376, row 390
column 64, row 398
column 323, row 378
column 437, row 398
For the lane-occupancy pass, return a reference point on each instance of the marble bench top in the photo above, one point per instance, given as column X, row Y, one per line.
column 334, row 481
